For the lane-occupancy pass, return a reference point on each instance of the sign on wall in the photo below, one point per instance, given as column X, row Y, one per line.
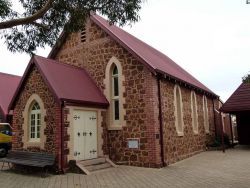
column 133, row 143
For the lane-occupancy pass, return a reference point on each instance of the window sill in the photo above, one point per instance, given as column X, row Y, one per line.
column 33, row 144
column 196, row 132
column 113, row 128
column 180, row 134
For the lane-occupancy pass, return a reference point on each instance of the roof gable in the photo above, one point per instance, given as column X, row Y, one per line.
column 154, row 60
column 239, row 100
column 67, row 83
column 8, row 85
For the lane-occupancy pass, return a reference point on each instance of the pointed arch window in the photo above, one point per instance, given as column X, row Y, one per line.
column 115, row 94
column 205, row 114
column 194, row 112
column 35, row 122
column 178, row 110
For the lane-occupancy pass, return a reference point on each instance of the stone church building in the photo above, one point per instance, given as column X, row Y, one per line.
column 103, row 92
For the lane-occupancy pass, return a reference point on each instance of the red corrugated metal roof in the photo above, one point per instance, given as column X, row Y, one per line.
column 239, row 100
column 152, row 58
column 68, row 83
column 8, row 86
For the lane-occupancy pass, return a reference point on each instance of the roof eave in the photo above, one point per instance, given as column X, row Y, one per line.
column 74, row 102
column 185, row 83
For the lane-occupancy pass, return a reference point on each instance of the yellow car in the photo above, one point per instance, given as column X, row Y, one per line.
column 5, row 138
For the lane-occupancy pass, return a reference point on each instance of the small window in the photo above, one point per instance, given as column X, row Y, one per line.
column 205, row 114
column 35, row 122
column 115, row 94
column 194, row 112
column 178, row 110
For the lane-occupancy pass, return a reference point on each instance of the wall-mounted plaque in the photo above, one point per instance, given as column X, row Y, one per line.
column 133, row 143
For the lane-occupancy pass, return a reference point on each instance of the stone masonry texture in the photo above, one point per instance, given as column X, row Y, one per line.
column 35, row 84
column 141, row 103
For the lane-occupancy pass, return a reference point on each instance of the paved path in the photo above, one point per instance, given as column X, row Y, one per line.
column 208, row 169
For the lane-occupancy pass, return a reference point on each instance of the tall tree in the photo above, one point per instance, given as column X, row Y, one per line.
column 41, row 21
column 246, row 78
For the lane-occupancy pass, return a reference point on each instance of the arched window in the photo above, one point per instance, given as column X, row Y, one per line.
column 205, row 114
column 178, row 110
column 194, row 113
column 35, row 122
column 115, row 94
column 114, row 91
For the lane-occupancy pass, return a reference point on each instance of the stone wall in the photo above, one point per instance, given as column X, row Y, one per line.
column 140, row 97
column 179, row 147
column 141, row 103
column 34, row 84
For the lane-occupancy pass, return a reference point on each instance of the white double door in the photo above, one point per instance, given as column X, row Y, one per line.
column 85, row 135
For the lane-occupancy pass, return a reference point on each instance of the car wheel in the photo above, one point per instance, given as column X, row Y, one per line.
column 3, row 152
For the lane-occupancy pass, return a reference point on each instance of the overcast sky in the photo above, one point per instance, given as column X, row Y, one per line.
column 208, row 38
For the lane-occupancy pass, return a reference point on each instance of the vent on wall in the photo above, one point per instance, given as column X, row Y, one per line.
column 83, row 35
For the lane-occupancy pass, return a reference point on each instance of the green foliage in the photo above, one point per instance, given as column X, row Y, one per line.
column 4, row 8
column 246, row 79
column 67, row 15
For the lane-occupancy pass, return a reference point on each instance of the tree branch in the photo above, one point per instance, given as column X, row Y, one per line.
column 44, row 27
column 27, row 20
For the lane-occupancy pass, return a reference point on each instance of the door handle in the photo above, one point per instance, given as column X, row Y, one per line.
column 78, row 134
column 84, row 134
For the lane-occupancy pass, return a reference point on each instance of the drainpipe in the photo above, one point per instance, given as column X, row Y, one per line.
column 222, row 135
column 62, row 138
column 231, row 129
column 161, row 120
column 215, row 126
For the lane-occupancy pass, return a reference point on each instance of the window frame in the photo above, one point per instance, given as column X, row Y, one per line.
column 205, row 114
column 114, row 97
column 37, row 113
column 115, row 125
column 179, row 123
column 194, row 113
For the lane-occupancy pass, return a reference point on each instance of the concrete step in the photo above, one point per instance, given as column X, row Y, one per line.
column 96, row 167
column 91, row 165
column 93, row 161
